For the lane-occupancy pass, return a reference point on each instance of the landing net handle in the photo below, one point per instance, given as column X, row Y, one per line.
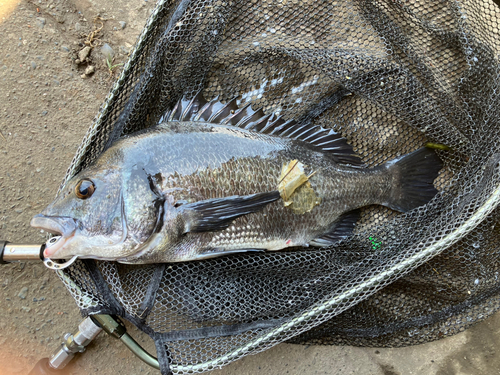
column 10, row 252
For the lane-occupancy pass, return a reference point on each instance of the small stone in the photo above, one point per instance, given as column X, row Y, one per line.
column 78, row 27
column 23, row 293
column 90, row 69
column 44, row 113
column 83, row 76
column 35, row 299
column 33, row 65
column 107, row 52
column 40, row 22
column 78, row 62
column 122, row 24
column 84, row 53
column 65, row 49
column 25, row 308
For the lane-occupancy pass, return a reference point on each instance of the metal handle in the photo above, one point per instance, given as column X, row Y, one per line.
column 74, row 343
column 10, row 252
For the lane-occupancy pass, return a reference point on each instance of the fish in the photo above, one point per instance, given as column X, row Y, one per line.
column 214, row 179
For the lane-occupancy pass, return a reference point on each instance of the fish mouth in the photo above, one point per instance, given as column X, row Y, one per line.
column 58, row 225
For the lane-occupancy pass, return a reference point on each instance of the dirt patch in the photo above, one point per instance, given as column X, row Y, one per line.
column 45, row 110
column 479, row 356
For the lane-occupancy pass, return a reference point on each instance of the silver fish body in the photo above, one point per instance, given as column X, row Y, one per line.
column 191, row 190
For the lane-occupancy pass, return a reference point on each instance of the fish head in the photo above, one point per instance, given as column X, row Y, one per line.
column 88, row 214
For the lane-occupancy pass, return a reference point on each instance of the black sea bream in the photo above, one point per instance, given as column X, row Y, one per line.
column 215, row 179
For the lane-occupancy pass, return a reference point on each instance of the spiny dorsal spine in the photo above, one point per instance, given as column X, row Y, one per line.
column 245, row 117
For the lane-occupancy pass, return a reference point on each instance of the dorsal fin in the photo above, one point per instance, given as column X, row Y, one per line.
column 198, row 109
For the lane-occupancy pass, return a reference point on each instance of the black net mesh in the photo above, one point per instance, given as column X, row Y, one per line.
column 390, row 76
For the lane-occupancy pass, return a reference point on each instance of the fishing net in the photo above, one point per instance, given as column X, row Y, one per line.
column 389, row 75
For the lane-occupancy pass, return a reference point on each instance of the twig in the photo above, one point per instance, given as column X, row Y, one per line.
column 94, row 33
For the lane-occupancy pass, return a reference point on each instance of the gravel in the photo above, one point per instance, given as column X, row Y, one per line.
column 40, row 22
column 107, row 52
column 84, row 53
column 89, row 70
column 23, row 293
column 124, row 50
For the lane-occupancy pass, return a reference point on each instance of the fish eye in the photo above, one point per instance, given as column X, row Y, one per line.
column 84, row 189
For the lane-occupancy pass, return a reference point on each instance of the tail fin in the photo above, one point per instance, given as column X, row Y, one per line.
column 414, row 176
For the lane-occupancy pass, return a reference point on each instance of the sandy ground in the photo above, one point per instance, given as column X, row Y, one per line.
column 45, row 109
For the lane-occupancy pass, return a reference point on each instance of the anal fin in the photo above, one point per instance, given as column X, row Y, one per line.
column 343, row 229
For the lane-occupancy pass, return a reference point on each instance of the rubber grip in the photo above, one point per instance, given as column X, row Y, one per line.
column 2, row 248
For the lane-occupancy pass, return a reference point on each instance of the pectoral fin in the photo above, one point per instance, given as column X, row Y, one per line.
column 213, row 253
column 217, row 214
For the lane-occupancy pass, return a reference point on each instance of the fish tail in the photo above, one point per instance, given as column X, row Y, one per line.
column 414, row 175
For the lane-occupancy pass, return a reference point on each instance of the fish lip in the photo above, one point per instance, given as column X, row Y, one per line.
column 60, row 225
